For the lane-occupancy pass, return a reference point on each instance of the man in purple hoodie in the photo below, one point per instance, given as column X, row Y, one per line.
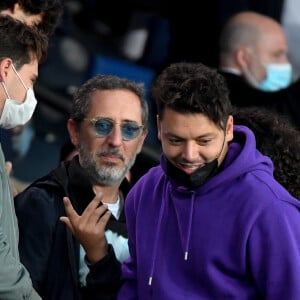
column 210, row 222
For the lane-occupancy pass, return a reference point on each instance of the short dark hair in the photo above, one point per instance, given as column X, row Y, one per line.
column 21, row 42
column 81, row 100
column 190, row 88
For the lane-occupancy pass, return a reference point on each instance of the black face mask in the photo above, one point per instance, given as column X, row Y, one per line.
column 195, row 179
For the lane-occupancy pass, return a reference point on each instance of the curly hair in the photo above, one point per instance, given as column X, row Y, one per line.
column 52, row 9
column 190, row 88
column 278, row 139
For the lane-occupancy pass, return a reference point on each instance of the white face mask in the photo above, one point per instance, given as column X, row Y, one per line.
column 17, row 113
column 278, row 76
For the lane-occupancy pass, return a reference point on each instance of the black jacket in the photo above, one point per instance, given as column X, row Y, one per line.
column 285, row 101
column 47, row 247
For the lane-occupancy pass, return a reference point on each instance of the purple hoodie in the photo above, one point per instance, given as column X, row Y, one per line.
column 235, row 237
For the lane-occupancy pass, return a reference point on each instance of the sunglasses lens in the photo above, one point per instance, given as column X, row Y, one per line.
column 103, row 127
column 130, row 131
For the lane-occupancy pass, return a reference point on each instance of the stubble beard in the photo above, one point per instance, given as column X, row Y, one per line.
column 107, row 174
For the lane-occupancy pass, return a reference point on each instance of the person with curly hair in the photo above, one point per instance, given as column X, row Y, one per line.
column 277, row 138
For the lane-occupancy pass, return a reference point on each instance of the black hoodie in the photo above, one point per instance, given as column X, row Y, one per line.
column 48, row 249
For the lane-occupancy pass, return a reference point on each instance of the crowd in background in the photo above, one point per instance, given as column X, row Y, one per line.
column 96, row 131
column 147, row 36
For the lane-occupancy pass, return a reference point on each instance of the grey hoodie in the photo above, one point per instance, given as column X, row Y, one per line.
column 15, row 282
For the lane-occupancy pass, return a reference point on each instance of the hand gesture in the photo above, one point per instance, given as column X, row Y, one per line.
column 89, row 228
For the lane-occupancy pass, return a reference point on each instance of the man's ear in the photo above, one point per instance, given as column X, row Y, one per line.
column 242, row 57
column 73, row 132
column 5, row 65
column 229, row 129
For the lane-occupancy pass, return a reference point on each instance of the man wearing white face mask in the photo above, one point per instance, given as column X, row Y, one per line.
column 274, row 75
column 15, row 112
column 254, row 62
column 45, row 16
column 21, row 50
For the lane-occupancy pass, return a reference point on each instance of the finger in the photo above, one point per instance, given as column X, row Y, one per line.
column 97, row 214
column 68, row 223
column 70, row 211
column 104, row 218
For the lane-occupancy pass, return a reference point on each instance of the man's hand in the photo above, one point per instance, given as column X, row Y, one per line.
column 89, row 228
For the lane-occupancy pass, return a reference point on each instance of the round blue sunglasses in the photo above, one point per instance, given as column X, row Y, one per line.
column 104, row 127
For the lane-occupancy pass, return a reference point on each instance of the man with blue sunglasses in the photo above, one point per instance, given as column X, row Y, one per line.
column 74, row 216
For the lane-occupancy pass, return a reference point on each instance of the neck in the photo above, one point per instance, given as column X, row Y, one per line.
column 110, row 193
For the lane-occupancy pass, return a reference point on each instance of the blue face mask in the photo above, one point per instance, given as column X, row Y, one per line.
column 279, row 76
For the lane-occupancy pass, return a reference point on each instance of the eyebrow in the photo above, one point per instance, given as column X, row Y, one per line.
column 207, row 135
column 108, row 118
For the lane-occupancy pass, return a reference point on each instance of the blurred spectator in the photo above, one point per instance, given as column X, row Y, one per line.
column 283, row 11
column 253, row 59
column 276, row 138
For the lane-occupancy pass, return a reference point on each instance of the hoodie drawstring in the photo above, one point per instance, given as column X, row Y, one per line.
column 187, row 245
column 158, row 230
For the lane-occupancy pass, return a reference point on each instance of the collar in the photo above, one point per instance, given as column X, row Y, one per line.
column 231, row 70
